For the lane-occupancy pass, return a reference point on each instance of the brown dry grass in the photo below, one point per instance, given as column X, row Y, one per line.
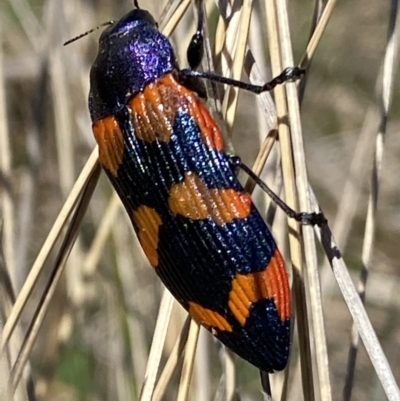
column 96, row 339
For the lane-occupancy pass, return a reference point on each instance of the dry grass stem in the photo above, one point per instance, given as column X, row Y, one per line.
column 51, row 286
column 172, row 362
column 389, row 63
column 102, row 235
column 7, row 299
column 232, row 93
column 301, row 182
column 188, row 361
column 230, row 375
column 317, row 34
column 48, row 245
column 95, row 341
column 291, row 199
column 359, row 314
column 7, row 205
column 157, row 346
column 172, row 22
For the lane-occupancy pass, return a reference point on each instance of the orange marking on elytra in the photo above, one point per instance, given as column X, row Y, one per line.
column 154, row 112
column 109, row 137
column 249, row 288
column 208, row 127
column 276, row 278
column 147, row 222
column 184, row 97
column 150, row 122
column 192, row 199
column 208, row 318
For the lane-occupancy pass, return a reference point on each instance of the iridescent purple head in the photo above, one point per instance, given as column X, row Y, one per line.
column 132, row 54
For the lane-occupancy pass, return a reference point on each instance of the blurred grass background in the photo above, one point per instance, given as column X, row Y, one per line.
column 96, row 337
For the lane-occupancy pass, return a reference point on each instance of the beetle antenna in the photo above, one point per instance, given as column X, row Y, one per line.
column 88, row 32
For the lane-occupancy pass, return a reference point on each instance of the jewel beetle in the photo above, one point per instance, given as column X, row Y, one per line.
column 164, row 154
